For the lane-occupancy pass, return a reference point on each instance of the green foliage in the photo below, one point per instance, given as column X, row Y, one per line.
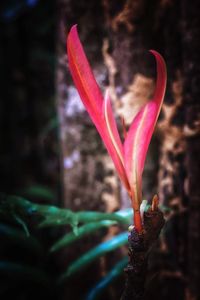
column 51, row 216
column 87, row 258
column 16, row 213
column 82, row 231
column 38, row 192
column 20, row 211
column 107, row 280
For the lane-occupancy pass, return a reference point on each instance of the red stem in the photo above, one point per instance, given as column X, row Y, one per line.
column 137, row 221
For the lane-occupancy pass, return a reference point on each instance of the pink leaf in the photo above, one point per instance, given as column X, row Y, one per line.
column 92, row 99
column 128, row 159
column 140, row 133
column 83, row 77
column 112, row 127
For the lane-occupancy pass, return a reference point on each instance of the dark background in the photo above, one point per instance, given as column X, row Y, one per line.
column 37, row 90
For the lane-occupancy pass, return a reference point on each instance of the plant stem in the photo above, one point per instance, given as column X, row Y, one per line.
column 139, row 246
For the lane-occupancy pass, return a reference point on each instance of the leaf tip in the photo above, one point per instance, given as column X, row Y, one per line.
column 73, row 34
column 159, row 58
column 73, row 28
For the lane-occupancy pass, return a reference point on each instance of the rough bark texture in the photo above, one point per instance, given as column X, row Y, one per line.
column 124, row 31
column 139, row 246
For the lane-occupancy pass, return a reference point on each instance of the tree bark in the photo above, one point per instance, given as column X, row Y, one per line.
column 140, row 245
column 120, row 34
column 191, row 68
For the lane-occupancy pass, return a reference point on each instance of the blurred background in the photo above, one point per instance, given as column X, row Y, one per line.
column 51, row 153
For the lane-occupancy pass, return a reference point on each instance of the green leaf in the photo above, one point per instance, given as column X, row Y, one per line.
column 116, row 271
column 93, row 254
column 37, row 192
column 92, row 216
column 12, row 206
column 61, row 217
column 22, row 223
column 82, row 231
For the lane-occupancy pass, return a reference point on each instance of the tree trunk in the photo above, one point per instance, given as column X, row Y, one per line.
column 119, row 34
